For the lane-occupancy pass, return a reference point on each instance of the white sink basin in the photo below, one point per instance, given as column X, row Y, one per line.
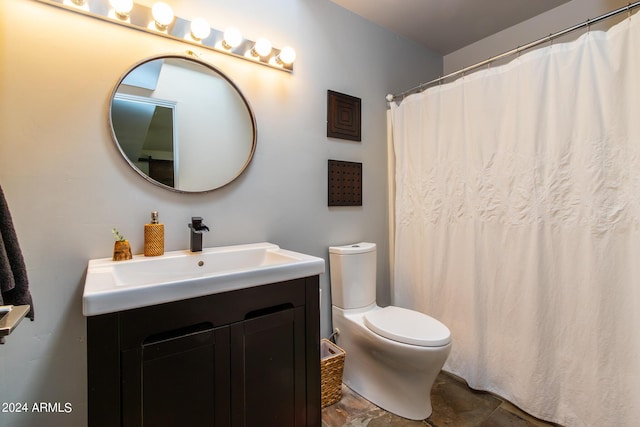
column 113, row 286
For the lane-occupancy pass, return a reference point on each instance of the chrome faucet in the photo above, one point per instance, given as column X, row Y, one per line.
column 197, row 228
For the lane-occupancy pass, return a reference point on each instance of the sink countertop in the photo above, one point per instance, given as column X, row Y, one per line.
column 112, row 286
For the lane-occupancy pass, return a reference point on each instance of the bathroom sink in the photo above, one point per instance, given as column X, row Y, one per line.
column 113, row 286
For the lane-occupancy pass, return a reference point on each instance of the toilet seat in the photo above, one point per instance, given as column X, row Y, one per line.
column 407, row 326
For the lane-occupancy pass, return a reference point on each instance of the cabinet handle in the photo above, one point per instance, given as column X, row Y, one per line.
column 176, row 333
column 268, row 310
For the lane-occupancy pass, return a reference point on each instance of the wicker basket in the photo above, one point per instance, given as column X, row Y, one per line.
column 331, row 367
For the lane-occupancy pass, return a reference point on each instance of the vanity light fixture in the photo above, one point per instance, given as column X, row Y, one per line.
column 162, row 15
column 200, row 29
column 160, row 20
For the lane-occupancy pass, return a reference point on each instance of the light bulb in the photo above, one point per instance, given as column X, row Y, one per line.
column 262, row 47
column 287, row 55
column 78, row 4
column 232, row 38
column 162, row 14
column 200, row 29
column 122, row 7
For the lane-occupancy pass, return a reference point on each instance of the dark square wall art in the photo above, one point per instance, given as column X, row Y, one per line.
column 343, row 116
column 345, row 183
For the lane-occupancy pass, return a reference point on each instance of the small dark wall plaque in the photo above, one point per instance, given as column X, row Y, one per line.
column 345, row 183
column 343, row 116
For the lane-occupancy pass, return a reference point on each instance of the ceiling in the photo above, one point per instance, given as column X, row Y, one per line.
column 445, row 26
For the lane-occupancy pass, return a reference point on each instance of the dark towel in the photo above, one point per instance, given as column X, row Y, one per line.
column 14, row 284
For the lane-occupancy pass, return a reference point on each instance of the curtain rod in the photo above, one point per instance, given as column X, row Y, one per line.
column 519, row 49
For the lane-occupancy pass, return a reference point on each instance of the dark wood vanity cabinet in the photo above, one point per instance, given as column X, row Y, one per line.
column 241, row 358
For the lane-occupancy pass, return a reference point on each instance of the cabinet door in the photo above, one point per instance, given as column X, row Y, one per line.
column 178, row 379
column 268, row 370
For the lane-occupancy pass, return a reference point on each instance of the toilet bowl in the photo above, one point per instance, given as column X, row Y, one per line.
column 393, row 355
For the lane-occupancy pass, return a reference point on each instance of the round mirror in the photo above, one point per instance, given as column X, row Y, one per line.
column 182, row 124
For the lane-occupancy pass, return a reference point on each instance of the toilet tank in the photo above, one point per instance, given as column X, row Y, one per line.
column 353, row 275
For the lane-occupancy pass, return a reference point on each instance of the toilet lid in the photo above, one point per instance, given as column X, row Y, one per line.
column 408, row 326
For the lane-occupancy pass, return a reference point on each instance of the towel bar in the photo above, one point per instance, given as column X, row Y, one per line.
column 10, row 320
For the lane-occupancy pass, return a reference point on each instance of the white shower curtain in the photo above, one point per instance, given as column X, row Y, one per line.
column 518, row 225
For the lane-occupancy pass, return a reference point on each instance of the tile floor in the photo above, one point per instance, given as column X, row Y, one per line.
column 454, row 405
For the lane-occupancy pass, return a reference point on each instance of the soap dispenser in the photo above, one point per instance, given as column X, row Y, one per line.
column 154, row 237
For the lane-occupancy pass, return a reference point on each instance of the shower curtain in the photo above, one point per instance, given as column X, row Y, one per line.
column 517, row 224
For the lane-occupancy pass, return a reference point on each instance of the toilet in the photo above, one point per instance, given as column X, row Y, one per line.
column 393, row 355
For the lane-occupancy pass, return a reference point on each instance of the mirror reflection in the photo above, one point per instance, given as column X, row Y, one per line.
column 182, row 124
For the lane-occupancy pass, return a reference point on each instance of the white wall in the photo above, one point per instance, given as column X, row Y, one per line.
column 557, row 19
column 67, row 185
